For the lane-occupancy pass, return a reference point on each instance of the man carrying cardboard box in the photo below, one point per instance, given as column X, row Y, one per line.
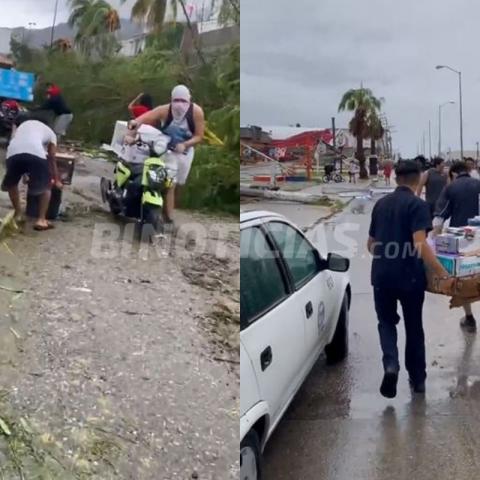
column 398, row 242
column 459, row 202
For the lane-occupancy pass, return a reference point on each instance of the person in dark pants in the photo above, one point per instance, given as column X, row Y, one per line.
column 398, row 242
column 459, row 202
column 32, row 152
column 63, row 115
column 434, row 180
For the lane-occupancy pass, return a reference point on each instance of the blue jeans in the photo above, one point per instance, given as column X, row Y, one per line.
column 386, row 300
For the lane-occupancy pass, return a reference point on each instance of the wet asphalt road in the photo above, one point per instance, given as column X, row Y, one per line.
column 340, row 428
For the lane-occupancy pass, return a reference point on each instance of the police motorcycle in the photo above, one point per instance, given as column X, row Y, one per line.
column 141, row 177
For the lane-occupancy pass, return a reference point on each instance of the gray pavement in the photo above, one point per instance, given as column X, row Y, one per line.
column 119, row 360
column 340, row 428
column 303, row 215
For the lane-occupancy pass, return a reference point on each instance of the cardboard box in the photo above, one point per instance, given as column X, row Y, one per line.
column 132, row 153
column 66, row 167
column 450, row 243
column 460, row 266
column 453, row 244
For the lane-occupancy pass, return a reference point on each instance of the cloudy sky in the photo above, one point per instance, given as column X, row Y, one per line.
column 297, row 61
column 21, row 12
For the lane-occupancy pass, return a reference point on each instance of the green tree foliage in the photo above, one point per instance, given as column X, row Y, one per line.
column 362, row 103
column 96, row 22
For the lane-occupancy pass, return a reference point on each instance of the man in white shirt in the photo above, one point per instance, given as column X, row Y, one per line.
column 32, row 151
column 472, row 168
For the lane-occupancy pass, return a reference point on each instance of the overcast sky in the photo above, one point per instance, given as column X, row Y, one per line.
column 297, row 62
column 21, row 12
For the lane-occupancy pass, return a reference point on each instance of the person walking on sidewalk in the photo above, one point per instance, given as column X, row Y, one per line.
column 387, row 172
column 434, row 180
column 472, row 168
column 459, row 202
column 398, row 242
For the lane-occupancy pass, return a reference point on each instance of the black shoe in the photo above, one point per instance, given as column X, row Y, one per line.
column 469, row 324
column 389, row 384
column 417, row 387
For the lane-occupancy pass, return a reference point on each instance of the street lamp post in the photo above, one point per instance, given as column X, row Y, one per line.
column 54, row 22
column 440, row 126
column 430, row 140
column 438, row 67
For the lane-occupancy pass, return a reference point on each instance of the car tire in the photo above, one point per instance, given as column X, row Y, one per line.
column 337, row 349
column 250, row 457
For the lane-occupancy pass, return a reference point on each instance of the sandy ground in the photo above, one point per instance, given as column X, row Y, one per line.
column 119, row 359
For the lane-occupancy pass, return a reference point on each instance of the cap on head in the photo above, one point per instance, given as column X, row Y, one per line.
column 181, row 92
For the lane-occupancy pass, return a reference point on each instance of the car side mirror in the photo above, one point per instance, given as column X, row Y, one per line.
column 337, row 263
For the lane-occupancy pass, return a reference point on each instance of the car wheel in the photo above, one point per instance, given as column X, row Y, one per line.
column 250, row 457
column 337, row 350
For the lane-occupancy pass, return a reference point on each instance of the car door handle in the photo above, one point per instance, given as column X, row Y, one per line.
column 309, row 309
column 266, row 358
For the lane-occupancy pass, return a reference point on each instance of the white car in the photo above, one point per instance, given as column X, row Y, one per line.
column 294, row 305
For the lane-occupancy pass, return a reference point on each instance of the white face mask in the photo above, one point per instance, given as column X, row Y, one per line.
column 179, row 110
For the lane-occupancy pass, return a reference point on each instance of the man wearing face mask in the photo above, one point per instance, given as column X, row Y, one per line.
column 184, row 122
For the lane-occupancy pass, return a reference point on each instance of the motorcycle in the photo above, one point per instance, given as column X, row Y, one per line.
column 138, row 186
column 7, row 119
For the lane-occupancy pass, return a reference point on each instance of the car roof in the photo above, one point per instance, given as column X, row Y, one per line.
column 252, row 215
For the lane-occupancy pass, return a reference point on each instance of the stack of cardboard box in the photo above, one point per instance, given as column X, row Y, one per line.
column 458, row 250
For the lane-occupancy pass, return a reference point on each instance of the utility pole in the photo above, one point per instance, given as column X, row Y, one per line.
column 423, row 143
column 334, row 133
column 54, row 22
column 430, row 139
column 477, row 152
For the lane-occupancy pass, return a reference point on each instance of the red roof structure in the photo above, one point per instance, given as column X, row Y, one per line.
column 305, row 139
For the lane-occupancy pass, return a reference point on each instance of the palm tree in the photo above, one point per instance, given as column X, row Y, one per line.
column 152, row 12
column 96, row 22
column 361, row 101
column 375, row 130
column 62, row 45
column 229, row 11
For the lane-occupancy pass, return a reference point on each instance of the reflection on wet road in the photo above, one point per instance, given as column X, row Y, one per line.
column 340, row 428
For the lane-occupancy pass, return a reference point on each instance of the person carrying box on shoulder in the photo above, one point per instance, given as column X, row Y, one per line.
column 459, row 202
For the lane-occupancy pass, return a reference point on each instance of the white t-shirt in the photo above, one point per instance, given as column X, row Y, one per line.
column 31, row 137
column 474, row 173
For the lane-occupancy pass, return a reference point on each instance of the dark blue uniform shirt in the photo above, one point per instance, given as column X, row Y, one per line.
column 459, row 200
column 395, row 218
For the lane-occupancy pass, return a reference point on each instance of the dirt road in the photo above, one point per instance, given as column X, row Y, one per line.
column 119, row 359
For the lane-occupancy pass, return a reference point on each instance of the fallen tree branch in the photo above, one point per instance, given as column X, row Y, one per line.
column 13, row 290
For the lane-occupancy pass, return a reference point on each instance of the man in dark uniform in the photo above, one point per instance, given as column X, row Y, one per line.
column 434, row 180
column 459, row 202
column 398, row 242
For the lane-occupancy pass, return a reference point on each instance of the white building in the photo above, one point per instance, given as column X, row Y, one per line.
column 5, row 34
column 133, row 46
column 204, row 14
